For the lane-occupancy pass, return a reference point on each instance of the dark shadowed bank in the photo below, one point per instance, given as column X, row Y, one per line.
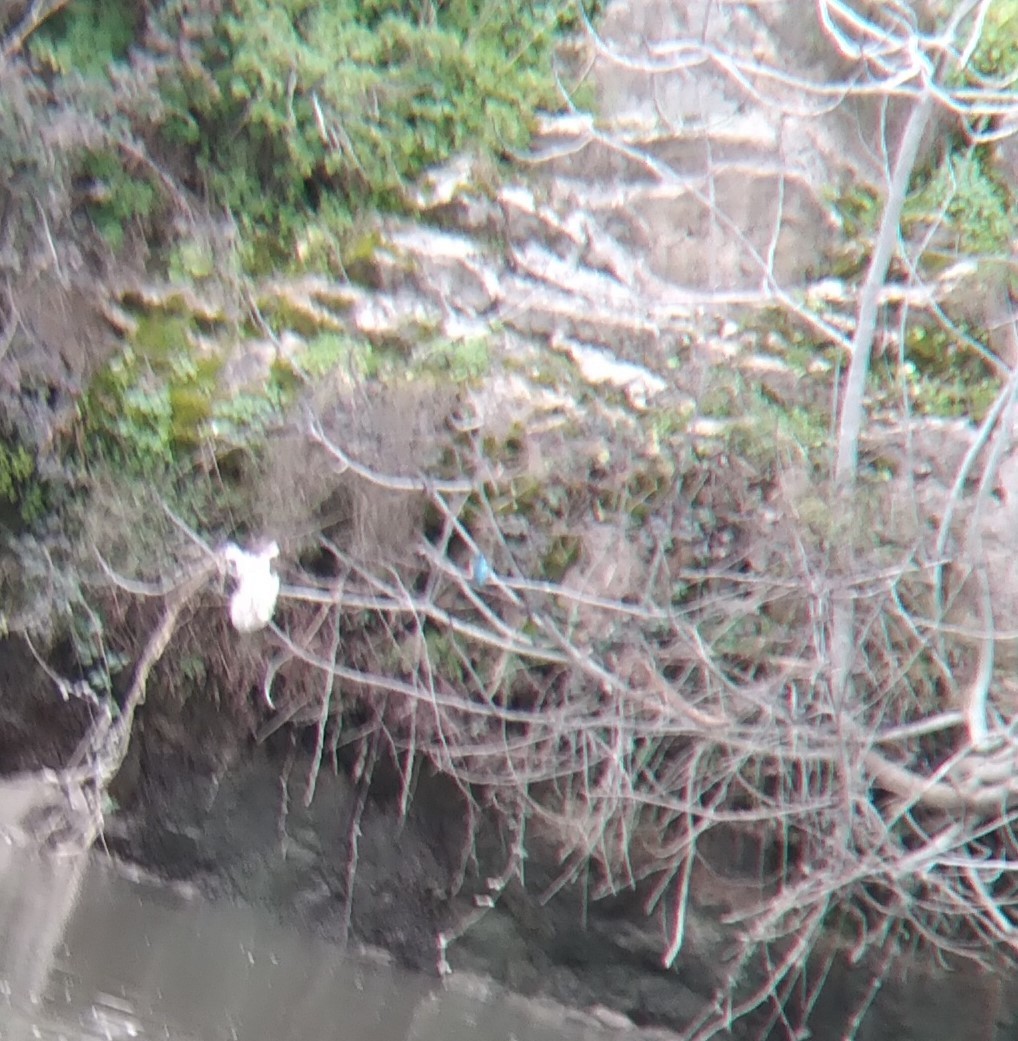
column 205, row 808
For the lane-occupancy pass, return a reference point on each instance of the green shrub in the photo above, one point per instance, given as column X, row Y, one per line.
column 315, row 109
column 128, row 416
column 976, row 207
column 461, row 361
column 20, row 486
column 119, row 197
column 84, row 39
column 997, row 53
column 291, row 114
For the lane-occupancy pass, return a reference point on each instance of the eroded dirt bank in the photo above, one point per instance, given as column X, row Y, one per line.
column 412, row 873
column 613, row 391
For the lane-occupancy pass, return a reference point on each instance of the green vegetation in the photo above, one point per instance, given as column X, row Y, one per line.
column 461, row 361
column 293, row 116
column 973, row 205
column 949, row 395
column 301, row 114
column 961, row 208
column 143, row 408
column 960, row 195
column 997, row 53
column 341, row 104
column 85, row 39
column 329, row 351
column 161, row 398
column 20, row 485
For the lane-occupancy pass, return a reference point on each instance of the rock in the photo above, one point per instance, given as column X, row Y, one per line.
column 453, row 196
column 448, row 268
column 601, row 368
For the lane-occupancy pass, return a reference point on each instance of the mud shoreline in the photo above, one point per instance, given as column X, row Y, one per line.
column 205, row 808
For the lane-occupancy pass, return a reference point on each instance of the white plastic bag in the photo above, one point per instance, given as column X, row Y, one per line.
column 254, row 600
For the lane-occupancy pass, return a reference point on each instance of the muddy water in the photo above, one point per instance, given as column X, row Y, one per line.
column 87, row 953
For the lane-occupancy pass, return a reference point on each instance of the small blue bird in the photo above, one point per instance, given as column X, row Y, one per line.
column 480, row 571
